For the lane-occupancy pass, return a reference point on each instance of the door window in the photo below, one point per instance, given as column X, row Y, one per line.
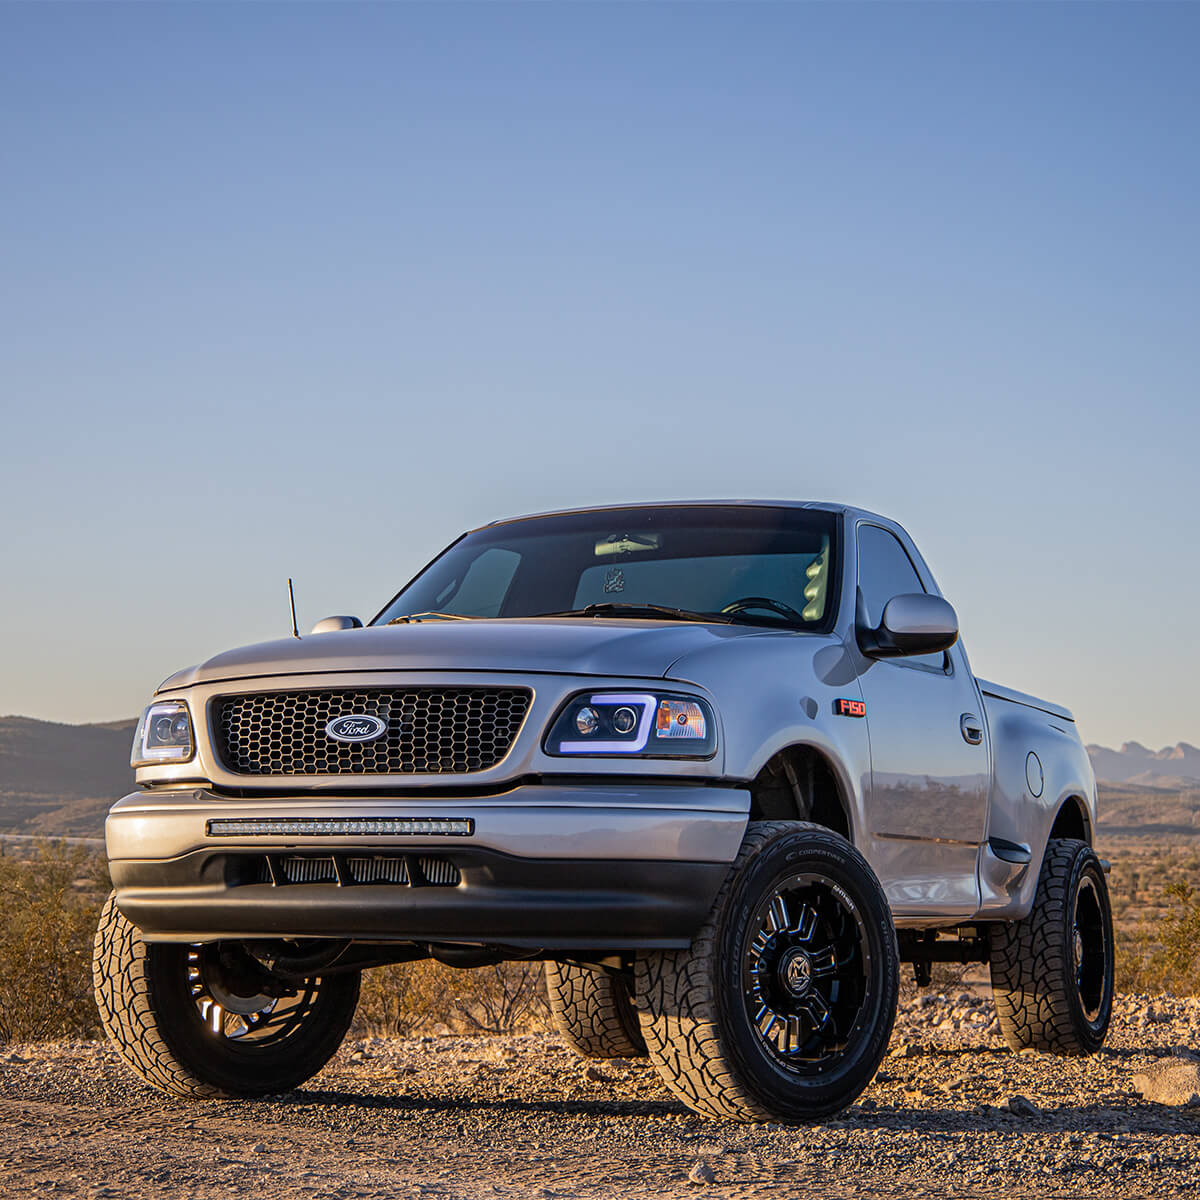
column 885, row 571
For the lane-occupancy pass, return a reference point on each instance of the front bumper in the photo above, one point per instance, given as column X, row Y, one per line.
column 572, row 867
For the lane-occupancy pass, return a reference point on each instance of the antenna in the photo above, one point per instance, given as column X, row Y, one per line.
column 292, row 598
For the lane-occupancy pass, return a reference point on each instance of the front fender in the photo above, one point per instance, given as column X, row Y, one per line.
column 778, row 690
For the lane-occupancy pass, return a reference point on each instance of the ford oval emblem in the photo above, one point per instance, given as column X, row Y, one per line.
column 355, row 728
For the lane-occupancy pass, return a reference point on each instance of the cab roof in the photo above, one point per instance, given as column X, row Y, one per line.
column 822, row 505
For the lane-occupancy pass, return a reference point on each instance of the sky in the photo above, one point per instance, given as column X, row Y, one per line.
column 307, row 290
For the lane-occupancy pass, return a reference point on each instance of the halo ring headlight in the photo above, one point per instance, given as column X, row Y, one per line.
column 163, row 735
column 633, row 724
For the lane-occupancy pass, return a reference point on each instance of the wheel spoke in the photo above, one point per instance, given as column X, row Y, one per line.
column 814, row 1004
column 806, row 925
column 823, row 962
column 795, row 1043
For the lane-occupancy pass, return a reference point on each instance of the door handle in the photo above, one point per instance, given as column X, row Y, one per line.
column 972, row 729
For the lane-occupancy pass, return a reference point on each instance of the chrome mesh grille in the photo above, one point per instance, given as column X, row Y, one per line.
column 430, row 731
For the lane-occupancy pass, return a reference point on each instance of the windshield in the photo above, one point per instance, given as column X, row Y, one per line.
column 773, row 566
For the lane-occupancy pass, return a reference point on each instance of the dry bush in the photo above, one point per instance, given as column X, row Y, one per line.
column 49, row 904
column 1156, row 914
column 430, row 997
column 1164, row 956
column 503, row 999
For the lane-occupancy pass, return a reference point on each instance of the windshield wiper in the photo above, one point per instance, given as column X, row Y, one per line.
column 660, row 612
column 429, row 616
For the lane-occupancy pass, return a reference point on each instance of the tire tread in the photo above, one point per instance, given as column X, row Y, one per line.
column 122, row 989
column 593, row 1012
column 1032, row 967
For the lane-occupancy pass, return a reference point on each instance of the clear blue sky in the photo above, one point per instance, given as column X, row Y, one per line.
column 309, row 289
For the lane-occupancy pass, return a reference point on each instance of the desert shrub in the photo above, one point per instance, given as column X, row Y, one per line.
column 428, row 996
column 1165, row 955
column 1180, row 933
column 50, row 901
column 503, row 999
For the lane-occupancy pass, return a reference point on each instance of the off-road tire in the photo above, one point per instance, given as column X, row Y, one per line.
column 1040, row 1002
column 692, row 1003
column 593, row 1011
column 147, row 1010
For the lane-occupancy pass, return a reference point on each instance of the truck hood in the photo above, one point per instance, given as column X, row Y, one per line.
column 588, row 646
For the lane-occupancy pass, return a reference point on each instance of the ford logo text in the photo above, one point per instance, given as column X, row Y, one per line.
column 356, row 728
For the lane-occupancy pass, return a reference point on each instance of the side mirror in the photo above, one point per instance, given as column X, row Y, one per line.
column 331, row 624
column 912, row 624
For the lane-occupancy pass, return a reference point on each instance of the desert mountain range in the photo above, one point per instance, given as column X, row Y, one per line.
column 60, row 779
column 1173, row 767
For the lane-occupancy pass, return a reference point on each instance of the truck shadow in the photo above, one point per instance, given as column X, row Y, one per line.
column 1132, row 1116
column 349, row 1102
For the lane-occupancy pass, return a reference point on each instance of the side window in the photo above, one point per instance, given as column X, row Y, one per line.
column 484, row 586
column 884, row 571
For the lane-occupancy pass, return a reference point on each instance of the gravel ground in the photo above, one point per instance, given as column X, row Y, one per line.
column 950, row 1112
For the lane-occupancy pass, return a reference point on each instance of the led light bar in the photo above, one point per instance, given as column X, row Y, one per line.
column 347, row 827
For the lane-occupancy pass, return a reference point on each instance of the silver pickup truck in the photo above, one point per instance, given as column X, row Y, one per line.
column 722, row 766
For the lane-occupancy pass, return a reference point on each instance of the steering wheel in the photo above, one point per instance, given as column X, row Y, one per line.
column 775, row 606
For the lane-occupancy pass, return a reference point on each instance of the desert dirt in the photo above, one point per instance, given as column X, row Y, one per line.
column 950, row 1112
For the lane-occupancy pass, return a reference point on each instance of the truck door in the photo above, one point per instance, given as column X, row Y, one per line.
column 927, row 809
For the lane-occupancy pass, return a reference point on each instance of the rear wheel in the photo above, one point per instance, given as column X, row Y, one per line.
column 782, row 1007
column 1052, row 972
column 593, row 1011
column 207, row 1020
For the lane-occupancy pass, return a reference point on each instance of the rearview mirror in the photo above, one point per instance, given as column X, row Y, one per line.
column 913, row 624
column 332, row 624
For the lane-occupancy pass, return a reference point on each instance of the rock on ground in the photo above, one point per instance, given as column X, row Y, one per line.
column 1174, row 1081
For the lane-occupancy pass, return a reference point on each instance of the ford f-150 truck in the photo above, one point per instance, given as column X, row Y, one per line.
column 721, row 766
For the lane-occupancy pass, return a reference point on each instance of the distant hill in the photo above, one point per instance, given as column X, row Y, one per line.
column 60, row 779
column 1173, row 767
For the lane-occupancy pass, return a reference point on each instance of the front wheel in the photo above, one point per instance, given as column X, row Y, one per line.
column 782, row 1007
column 205, row 1021
column 1052, row 971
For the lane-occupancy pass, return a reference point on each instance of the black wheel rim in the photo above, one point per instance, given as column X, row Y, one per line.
column 1090, row 950
column 806, row 973
column 238, row 1012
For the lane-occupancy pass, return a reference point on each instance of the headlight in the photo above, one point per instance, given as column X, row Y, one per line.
column 163, row 735
column 646, row 724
